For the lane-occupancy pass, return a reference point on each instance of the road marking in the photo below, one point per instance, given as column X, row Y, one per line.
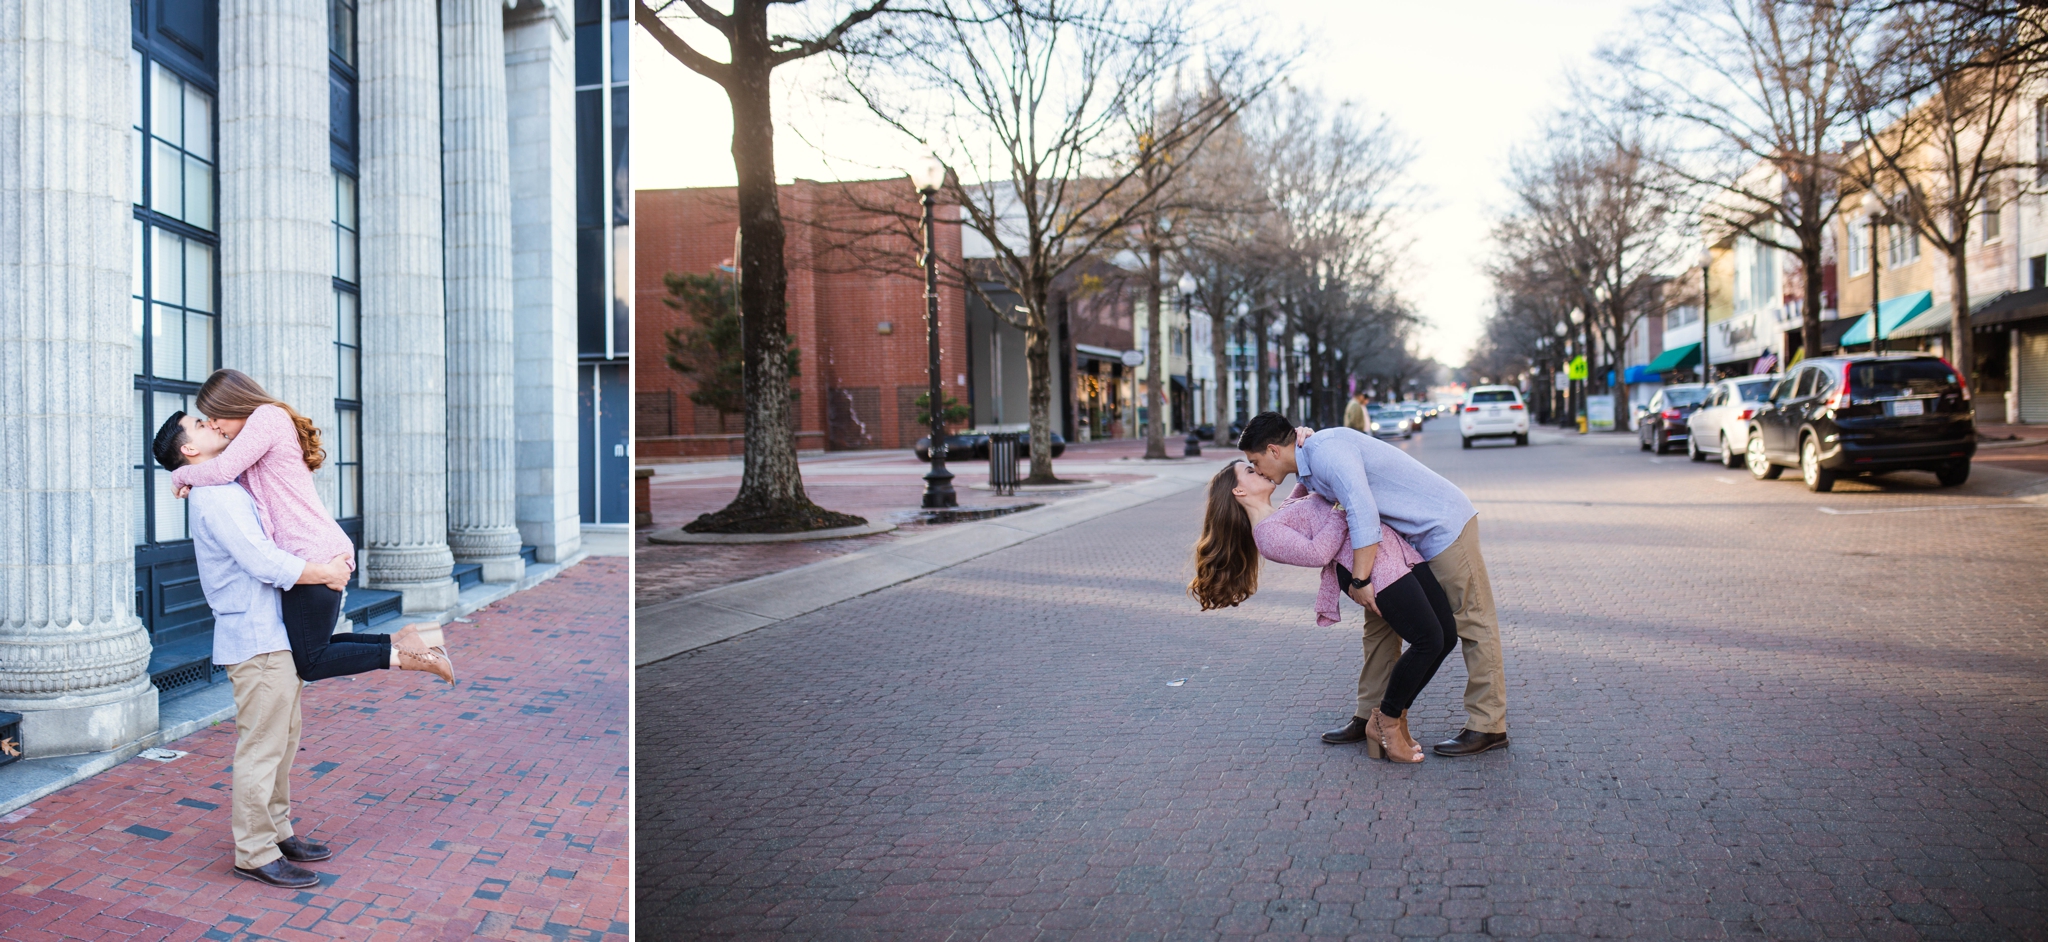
column 1907, row 510
column 1726, row 480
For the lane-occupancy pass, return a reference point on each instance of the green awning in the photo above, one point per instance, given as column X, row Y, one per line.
column 1893, row 313
column 1676, row 358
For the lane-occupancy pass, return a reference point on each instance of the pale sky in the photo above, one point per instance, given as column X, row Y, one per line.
column 1466, row 82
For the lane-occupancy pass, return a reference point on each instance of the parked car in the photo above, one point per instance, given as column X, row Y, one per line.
column 1387, row 422
column 1413, row 413
column 1865, row 415
column 968, row 446
column 1493, row 412
column 1721, row 425
column 1206, row 432
column 1662, row 423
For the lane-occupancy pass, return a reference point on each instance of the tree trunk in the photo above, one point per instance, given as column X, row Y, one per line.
column 1038, row 375
column 1961, row 354
column 1155, row 359
column 1809, row 312
column 1259, row 365
column 1219, row 357
column 771, row 497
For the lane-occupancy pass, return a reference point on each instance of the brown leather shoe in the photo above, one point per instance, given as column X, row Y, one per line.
column 300, row 850
column 282, row 872
column 1360, row 729
column 1470, row 743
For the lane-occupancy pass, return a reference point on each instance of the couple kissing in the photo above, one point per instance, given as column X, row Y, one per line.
column 1395, row 537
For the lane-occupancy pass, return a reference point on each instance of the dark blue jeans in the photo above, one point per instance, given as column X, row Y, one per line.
column 310, row 612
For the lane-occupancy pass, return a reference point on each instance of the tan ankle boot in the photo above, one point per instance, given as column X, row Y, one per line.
column 433, row 662
column 1373, row 749
column 1394, row 739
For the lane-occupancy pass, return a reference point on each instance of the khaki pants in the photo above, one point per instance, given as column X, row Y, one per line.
column 1462, row 572
column 266, row 740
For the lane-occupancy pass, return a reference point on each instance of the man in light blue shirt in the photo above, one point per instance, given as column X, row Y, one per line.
column 1376, row 482
column 243, row 573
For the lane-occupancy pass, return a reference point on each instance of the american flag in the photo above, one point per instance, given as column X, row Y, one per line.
column 1765, row 363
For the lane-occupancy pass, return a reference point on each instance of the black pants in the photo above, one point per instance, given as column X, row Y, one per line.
column 1419, row 611
column 310, row 612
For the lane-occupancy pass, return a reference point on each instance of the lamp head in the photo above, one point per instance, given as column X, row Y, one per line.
column 1561, row 328
column 1187, row 282
column 1873, row 205
column 927, row 172
column 1578, row 316
column 1707, row 258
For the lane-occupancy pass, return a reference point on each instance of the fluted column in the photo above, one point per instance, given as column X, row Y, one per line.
column 276, row 207
column 73, row 654
column 482, row 522
column 540, row 93
column 405, row 417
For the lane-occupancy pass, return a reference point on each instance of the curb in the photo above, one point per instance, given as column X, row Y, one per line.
column 680, row 537
column 666, row 629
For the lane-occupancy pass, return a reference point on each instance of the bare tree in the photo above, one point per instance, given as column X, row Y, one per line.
column 1595, row 224
column 1941, row 98
column 1751, row 84
column 771, row 497
column 1031, row 103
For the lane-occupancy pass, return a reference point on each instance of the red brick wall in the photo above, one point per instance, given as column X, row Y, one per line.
column 837, row 236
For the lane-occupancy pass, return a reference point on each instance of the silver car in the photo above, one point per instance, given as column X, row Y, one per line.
column 1720, row 426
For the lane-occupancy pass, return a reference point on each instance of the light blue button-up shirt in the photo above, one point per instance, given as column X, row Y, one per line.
column 242, row 573
column 1378, row 482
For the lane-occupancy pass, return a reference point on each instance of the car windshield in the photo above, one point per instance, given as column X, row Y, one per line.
column 1683, row 396
column 1754, row 392
column 1493, row 395
column 1890, row 379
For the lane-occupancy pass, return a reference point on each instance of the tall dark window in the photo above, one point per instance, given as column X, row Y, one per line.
column 347, row 441
column 604, row 253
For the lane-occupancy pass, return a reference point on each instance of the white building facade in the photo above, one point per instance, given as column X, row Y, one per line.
column 367, row 205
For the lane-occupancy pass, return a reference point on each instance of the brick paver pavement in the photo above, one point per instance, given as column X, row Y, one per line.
column 1734, row 717
column 494, row 809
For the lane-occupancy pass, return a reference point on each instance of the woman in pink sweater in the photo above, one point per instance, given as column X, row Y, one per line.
column 1241, row 524
column 273, row 451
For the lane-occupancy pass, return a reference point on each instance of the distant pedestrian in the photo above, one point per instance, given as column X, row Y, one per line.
column 1376, row 482
column 273, row 451
column 243, row 575
column 1355, row 414
column 1309, row 531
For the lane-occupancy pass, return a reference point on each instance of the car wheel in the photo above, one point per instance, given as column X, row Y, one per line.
column 1692, row 448
column 1953, row 475
column 1467, row 442
column 1818, row 479
column 1657, row 443
column 1522, row 438
column 1760, row 466
column 1643, row 442
column 1728, row 457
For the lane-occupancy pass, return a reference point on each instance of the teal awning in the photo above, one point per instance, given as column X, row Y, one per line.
column 1676, row 358
column 1892, row 314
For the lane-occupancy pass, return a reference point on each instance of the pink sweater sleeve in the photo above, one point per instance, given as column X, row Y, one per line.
column 267, row 428
column 1301, row 533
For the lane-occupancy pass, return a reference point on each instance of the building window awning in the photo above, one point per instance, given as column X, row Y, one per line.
column 1639, row 374
column 1892, row 314
column 1676, row 358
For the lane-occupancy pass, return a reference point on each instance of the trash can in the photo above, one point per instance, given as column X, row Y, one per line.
column 1002, row 463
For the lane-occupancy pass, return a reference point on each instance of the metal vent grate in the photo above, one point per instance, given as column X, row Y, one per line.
column 178, row 678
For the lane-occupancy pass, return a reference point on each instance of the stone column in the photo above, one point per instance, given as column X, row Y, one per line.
column 540, row 82
column 277, row 207
column 476, row 186
column 73, row 655
column 405, row 370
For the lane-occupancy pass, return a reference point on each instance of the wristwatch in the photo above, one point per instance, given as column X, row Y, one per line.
column 1356, row 583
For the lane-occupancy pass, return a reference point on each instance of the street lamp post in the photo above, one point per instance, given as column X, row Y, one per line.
column 1579, row 385
column 928, row 175
column 1706, row 296
column 1874, row 208
column 1565, row 358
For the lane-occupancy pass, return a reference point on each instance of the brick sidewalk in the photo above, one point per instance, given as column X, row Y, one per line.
column 495, row 809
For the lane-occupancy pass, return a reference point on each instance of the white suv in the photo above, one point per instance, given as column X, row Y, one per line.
column 1493, row 412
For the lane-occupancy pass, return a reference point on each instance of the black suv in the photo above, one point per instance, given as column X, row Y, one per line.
column 1833, row 416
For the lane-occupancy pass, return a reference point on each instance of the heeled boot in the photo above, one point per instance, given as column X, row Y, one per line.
column 1397, row 745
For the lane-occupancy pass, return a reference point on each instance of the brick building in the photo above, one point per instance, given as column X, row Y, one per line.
column 859, row 328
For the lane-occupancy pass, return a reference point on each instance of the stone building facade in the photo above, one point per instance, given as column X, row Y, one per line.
column 368, row 205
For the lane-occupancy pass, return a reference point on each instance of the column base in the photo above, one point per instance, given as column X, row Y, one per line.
column 425, row 598
column 99, row 722
column 501, row 568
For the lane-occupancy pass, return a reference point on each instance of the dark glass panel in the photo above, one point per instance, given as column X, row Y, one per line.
column 590, row 293
column 590, row 164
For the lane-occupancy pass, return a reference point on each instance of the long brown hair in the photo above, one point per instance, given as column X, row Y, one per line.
column 1226, row 557
column 231, row 394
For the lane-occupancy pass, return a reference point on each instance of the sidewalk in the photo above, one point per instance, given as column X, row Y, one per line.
column 877, row 485
column 495, row 809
